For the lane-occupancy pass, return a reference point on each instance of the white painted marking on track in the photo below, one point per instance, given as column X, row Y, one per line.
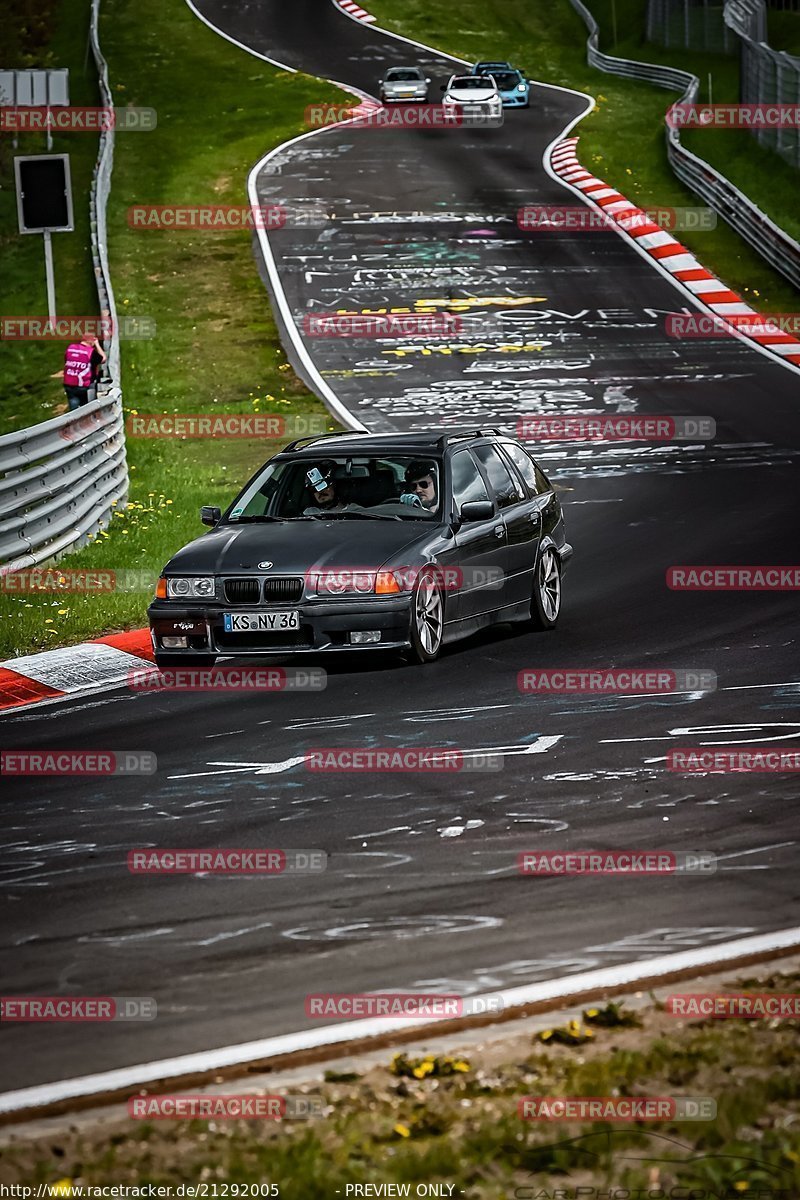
column 555, row 989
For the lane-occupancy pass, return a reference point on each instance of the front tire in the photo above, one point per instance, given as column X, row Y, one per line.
column 546, row 599
column 427, row 619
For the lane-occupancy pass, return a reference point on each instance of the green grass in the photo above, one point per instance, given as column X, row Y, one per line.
column 623, row 139
column 462, row 1128
column 51, row 36
column 783, row 30
column 217, row 348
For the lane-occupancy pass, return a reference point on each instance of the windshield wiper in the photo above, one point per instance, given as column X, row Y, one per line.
column 249, row 520
column 359, row 516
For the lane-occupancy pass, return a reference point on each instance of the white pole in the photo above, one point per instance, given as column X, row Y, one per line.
column 51, row 283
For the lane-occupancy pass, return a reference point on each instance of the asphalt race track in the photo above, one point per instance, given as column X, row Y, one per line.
column 422, row 889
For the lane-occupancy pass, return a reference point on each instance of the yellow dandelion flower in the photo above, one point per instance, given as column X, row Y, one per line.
column 403, row 1130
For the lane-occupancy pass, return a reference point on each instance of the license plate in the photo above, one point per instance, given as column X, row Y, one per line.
column 261, row 622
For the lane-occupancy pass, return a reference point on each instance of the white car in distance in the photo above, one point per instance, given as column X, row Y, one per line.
column 474, row 99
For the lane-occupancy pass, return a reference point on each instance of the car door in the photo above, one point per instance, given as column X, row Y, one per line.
column 481, row 545
column 521, row 517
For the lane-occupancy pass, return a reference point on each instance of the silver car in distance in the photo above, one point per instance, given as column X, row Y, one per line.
column 404, row 83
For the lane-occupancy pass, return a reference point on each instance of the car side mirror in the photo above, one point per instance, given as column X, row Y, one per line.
column 443, row 87
column 477, row 510
column 210, row 515
column 426, row 79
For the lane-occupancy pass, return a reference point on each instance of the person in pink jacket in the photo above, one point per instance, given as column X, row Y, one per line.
column 81, row 369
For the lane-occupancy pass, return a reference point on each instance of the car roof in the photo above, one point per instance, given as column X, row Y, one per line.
column 431, row 442
column 409, row 67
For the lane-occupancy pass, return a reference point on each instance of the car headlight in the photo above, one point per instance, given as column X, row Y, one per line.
column 521, row 87
column 190, row 588
column 449, row 100
column 341, row 583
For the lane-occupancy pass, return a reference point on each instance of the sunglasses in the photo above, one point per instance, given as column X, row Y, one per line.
column 422, row 483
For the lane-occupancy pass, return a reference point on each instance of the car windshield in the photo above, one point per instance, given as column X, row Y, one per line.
column 472, row 81
column 392, row 487
column 401, row 74
column 505, row 79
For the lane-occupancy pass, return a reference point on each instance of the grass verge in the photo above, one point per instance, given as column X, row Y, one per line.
column 623, row 139
column 48, row 35
column 217, row 349
column 454, row 1120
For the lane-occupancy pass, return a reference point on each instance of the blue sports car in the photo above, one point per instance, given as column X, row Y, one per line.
column 512, row 85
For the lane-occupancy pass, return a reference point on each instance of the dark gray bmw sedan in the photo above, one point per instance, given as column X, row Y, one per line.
column 365, row 541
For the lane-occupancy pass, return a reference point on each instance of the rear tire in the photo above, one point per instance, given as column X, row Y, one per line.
column 427, row 619
column 546, row 599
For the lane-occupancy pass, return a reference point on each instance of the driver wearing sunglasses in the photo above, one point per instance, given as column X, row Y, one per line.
column 420, row 481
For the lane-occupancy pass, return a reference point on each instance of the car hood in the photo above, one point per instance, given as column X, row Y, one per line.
column 467, row 95
column 294, row 547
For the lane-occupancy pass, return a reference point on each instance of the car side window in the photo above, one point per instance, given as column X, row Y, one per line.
column 523, row 463
column 505, row 489
column 543, row 484
column 468, row 484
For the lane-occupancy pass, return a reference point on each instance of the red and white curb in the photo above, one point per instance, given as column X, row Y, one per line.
column 670, row 255
column 73, row 670
column 354, row 10
column 553, row 993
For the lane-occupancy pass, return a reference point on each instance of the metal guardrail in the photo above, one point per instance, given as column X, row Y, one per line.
column 61, row 480
column 768, row 76
column 773, row 243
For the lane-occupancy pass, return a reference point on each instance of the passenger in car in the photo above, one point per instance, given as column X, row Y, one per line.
column 322, row 486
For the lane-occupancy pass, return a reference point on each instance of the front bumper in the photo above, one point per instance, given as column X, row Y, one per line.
column 324, row 626
column 515, row 99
